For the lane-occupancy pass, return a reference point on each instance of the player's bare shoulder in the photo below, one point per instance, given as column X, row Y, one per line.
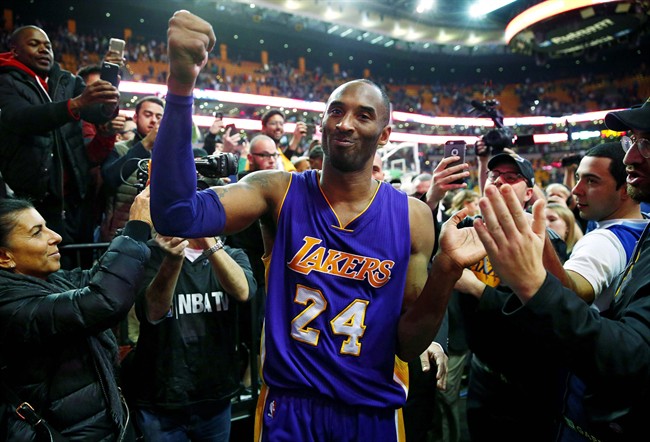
column 269, row 181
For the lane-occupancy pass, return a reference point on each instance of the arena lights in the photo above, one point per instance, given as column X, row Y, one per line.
column 225, row 96
column 424, row 6
column 314, row 106
column 543, row 11
column 484, row 7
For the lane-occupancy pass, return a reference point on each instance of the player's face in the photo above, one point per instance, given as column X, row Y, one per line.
column 353, row 126
column 638, row 171
column 595, row 191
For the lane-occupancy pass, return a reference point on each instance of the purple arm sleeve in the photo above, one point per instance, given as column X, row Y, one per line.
column 177, row 209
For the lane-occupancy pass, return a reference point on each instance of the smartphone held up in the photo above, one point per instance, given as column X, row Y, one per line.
column 117, row 45
column 455, row 148
column 110, row 72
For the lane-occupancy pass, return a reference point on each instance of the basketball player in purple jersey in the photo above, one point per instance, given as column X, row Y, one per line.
column 348, row 295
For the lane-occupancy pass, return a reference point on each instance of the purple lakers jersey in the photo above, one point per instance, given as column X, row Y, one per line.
column 334, row 297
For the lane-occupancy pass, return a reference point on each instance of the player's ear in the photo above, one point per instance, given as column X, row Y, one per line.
column 385, row 135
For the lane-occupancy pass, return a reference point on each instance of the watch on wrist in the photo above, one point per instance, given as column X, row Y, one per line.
column 215, row 248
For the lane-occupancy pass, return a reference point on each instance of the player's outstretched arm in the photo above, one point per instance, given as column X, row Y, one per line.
column 426, row 297
column 176, row 207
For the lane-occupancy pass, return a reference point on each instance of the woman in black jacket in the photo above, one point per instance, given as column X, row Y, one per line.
column 56, row 349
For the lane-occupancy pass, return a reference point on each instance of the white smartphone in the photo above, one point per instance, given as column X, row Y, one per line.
column 117, row 45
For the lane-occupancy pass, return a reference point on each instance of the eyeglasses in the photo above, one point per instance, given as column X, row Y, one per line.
column 508, row 177
column 266, row 155
column 641, row 143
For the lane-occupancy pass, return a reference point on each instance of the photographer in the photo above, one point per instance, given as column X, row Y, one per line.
column 120, row 168
column 496, row 141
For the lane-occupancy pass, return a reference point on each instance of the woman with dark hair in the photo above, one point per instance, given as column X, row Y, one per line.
column 57, row 352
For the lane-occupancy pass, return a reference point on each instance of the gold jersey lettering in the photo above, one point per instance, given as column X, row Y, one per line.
column 312, row 257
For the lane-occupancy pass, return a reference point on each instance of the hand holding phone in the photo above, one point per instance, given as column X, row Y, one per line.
column 110, row 72
column 455, row 148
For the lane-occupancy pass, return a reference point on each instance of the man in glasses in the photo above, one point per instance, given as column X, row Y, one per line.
column 514, row 170
column 262, row 154
column 273, row 127
column 636, row 122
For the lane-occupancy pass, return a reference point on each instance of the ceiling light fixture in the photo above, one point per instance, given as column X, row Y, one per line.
column 484, row 7
column 424, row 6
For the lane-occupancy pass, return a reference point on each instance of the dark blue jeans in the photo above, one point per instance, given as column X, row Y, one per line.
column 180, row 426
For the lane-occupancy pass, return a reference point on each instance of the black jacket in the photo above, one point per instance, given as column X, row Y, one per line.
column 189, row 357
column 608, row 351
column 56, row 349
column 39, row 136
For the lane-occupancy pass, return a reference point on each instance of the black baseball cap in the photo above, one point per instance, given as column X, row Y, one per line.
column 524, row 166
column 637, row 117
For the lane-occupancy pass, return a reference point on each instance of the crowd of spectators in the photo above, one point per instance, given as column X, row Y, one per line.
column 118, row 189
column 282, row 78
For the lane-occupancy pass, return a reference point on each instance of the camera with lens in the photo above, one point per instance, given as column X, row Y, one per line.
column 208, row 169
column 495, row 139
column 217, row 166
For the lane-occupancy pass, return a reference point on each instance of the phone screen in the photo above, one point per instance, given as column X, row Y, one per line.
column 455, row 148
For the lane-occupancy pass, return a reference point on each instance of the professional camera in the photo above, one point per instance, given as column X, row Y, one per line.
column 217, row 166
column 209, row 166
column 495, row 139
column 501, row 137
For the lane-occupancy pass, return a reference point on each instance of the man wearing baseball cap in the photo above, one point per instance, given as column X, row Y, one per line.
column 512, row 169
column 637, row 121
column 635, row 118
